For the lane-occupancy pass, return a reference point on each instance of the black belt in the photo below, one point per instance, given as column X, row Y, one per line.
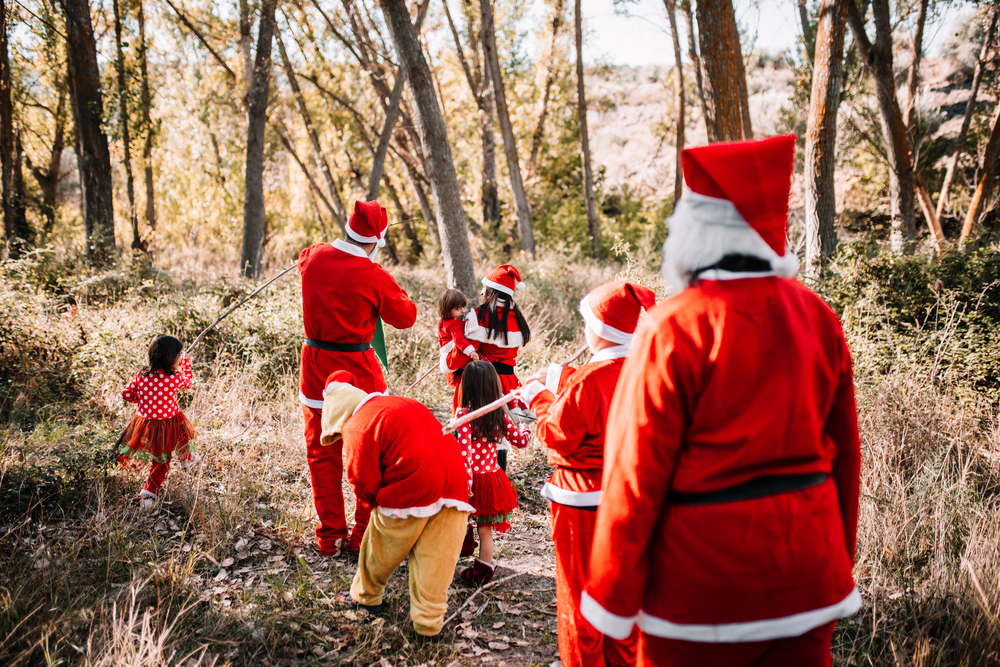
column 759, row 487
column 503, row 369
column 338, row 347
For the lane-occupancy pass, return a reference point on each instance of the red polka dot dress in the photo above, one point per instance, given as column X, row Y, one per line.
column 159, row 431
column 493, row 496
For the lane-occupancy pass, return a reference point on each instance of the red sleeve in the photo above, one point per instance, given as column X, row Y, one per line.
column 842, row 428
column 458, row 335
column 131, row 391
column 646, row 426
column 184, row 378
column 514, row 435
column 394, row 305
column 563, row 422
column 363, row 459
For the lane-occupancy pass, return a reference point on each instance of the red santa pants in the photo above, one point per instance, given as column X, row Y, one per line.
column 809, row 650
column 326, row 472
column 580, row 644
column 156, row 476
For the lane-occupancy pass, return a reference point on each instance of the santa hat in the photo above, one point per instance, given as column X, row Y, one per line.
column 737, row 204
column 505, row 278
column 612, row 310
column 341, row 397
column 368, row 223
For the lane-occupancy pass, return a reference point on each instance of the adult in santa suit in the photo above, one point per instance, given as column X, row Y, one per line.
column 344, row 292
column 728, row 523
column 572, row 408
column 399, row 461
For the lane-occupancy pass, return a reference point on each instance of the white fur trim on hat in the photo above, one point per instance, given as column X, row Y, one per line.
column 605, row 331
column 703, row 230
column 378, row 240
column 498, row 287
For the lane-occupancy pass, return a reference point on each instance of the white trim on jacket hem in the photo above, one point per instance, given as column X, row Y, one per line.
column 603, row 330
column 310, row 402
column 571, row 498
column 532, row 390
column 426, row 510
column 723, row 633
column 473, row 331
column 367, row 398
column 443, row 356
column 350, row 249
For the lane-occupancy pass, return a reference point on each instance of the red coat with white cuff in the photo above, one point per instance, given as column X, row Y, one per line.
column 343, row 294
column 454, row 347
column 398, row 459
column 494, row 349
column 729, row 381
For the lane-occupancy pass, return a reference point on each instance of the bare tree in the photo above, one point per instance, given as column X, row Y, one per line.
column 914, row 73
column 977, row 77
column 93, row 157
column 492, row 66
column 987, row 175
column 254, row 222
column 145, row 101
column 808, row 33
column 550, row 76
column 137, row 243
column 454, row 233
column 15, row 222
column 48, row 179
column 726, row 94
column 685, row 8
column 679, row 92
column 821, row 134
column 581, row 111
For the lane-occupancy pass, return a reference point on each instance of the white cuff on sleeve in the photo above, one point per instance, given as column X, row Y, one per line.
column 552, row 375
column 531, row 391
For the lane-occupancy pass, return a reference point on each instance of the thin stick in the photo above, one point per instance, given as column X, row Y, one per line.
column 419, row 379
column 228, row 312
column 469, row 599
column 576, row 356
column 475, row 414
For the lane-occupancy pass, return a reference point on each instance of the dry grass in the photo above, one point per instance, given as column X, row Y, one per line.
column 226, row 572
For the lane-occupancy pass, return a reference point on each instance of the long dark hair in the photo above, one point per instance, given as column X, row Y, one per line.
column 481, row 386
column 163, row 352
column 496, row 319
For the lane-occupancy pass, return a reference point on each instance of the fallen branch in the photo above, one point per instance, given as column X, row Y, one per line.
column 492, row 584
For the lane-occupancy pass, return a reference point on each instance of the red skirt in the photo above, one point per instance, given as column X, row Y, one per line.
column 494, row 498
column 156, row 440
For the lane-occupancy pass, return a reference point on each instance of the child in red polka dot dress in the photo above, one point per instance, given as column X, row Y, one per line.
column 493, row 496
column 159, row 431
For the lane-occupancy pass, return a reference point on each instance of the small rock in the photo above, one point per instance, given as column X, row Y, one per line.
column 499, row 646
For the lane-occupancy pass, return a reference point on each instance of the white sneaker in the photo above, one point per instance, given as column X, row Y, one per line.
column 148, row 499
column 189, row 461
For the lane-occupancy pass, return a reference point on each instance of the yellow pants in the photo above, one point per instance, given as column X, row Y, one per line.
column 433, row 545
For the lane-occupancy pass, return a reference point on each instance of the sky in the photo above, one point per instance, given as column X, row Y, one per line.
column 643, row 37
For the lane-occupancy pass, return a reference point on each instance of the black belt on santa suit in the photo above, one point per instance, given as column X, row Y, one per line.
column 759, row 487
column 503, row 369
column 338, row 347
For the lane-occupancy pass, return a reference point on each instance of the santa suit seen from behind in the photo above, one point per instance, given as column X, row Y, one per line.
column 572, row 411
column 344, row 292
column 728, row 523
column 493, row 346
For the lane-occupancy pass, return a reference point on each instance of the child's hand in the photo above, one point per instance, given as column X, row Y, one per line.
column 474, row 355
column 539, row 376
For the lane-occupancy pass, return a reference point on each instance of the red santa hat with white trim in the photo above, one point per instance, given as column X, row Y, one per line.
column 612, row 310
column 368, row 223
column 505, row 278
column 736, row 204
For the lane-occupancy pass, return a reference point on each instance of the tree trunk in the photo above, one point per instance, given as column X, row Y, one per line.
column 581, row 112
column 254, row 222
column 145, row 101
column 246, row 45
column 685, row 9
column 808, row 33
column 123, row 123
column 679, row 92
column 15, row 222
column 725, row 91
column 340, row 214
column 987, row 175
column 914, row 75
column 48, row 180
column 977, row 77
column 491, row 64
column 454, row 232
column 84, row 78
column 550, row 72
column 821, row 135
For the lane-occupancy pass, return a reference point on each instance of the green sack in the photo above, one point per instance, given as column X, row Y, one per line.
column 378, row 344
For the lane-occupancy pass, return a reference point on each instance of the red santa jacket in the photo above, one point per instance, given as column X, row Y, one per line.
column 727, row 382
column 490, row 348
column 572, row 422
column 397, row 459
column 343, row 294
column 455, row 348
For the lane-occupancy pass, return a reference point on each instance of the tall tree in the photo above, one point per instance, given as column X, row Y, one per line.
column 48, row 179
column 725, row 92
column 977, row 77
column 914, row 73
column 550, row 77
column 685, row 8
column 93, row 157
column 15, row 222
column 987, row 176
column 581, row 112
column 491, row 62
column 123, row 123
column 454, row 232
column 679, row 92
column 821, row 134
column 254, row 222
column 809, row 32
column 145, row 101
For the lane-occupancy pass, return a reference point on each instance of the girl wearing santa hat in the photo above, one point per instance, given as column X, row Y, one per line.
column 493, row 496
column 572, row 407
column 728, row 522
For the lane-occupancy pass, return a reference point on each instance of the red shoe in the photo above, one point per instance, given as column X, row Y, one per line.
column 470, row 544
column 480, row 574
